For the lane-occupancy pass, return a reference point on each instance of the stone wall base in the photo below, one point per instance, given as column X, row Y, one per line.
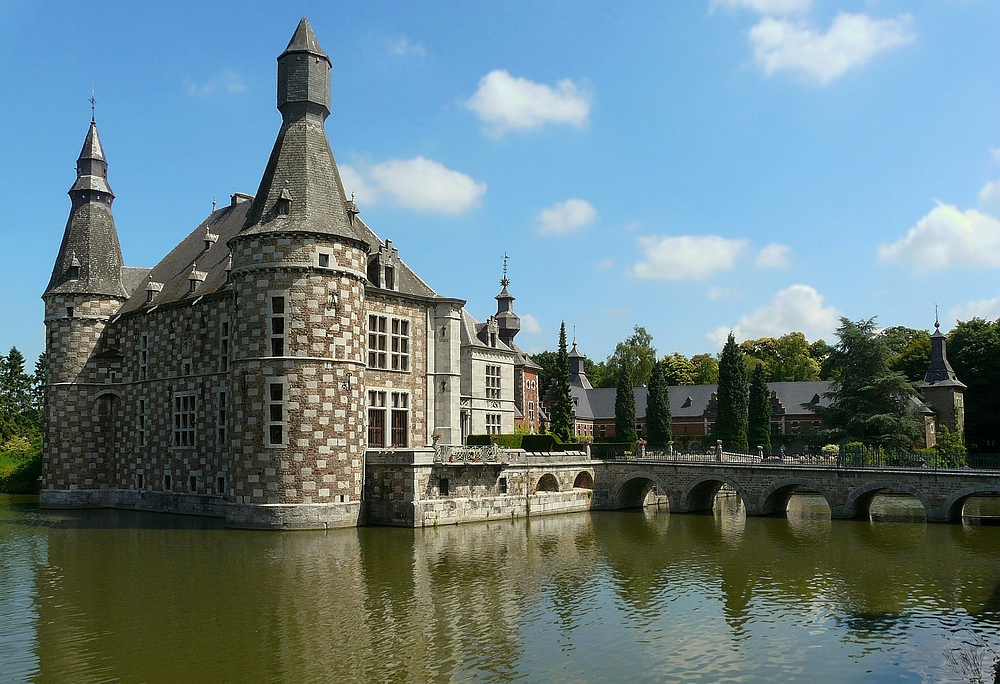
column 126, row 499
column 453, row 511
column 294, row 516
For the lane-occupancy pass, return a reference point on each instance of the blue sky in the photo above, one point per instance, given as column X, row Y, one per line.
column 692, row 166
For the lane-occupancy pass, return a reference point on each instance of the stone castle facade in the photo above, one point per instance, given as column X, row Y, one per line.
column 279, row 350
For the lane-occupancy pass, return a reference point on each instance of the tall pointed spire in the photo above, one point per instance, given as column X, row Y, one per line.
column 939, row 371
column 301, row 189
column 90, row 256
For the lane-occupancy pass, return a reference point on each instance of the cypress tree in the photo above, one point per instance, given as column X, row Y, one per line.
column 733, row 398
column 561, row 403
column 625, row 407
column 759, row 413
column 658, row 419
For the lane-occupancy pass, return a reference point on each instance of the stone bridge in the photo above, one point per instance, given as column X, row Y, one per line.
column 689, row 487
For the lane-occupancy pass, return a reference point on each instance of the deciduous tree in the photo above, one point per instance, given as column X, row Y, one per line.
column 706, row 369
column 678, row 370
column 637, row 353
column 974, row 352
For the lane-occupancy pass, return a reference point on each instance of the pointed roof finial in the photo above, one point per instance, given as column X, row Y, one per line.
column 213, row 204
column 505, row 281
column 93, row 106
column 937, row 321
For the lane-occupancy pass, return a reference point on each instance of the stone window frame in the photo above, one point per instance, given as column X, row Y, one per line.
column 531, row 411
column 224, row 330
column 277, row 323
column 276, row 417
column 399, row 413
column 184, row 414
column 222, row 418
column 389, row 342
column 168, row 485
column 140, row 429
column 494, row 423
column 143, row 355
column 494, row 381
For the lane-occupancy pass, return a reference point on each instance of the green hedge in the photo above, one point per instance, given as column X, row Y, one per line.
column 504, row 441
column 20, row 473
column 544, row 443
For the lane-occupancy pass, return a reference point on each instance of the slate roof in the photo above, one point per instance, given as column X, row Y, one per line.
column 173, row 271
column 90, row 240
column 407, row 282
column 470, row 328
column 691, row 401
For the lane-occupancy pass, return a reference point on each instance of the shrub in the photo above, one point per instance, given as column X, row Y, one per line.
column 538, row 443
column 479, row 440
column 20, row 474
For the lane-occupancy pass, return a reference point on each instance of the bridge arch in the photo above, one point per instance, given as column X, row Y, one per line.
column 859, row 502
column 631, row 491
column 951, row 510
column 700, row 493
column 547, row 483
column 585, row 480
column 775, row 498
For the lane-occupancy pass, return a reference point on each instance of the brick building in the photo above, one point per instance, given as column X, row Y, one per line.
column 254, row 368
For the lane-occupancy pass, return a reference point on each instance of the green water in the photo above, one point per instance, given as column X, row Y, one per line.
column 606, row 597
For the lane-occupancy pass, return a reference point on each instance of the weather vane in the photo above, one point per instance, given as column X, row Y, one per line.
column 93, row 106
column 937, row 321
column 505, row 282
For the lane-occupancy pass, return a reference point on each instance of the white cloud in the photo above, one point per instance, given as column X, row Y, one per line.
column 995, row 153
column 797, row 309
column 982, row 308
column 728, row 293
column 989, row 196
column 605, row 264
column 566, row 217
column 530, row 324
column 684, row 257
column 228, row 81
column 765, row 6
column 419, row 184
column 508, row 103
column 947, row 237
column 851, row 41
column 403, row 47
column 774, row 256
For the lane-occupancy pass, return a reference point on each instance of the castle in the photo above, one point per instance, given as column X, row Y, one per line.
column 274, row 353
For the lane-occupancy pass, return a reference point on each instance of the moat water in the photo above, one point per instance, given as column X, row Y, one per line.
column 106, row 596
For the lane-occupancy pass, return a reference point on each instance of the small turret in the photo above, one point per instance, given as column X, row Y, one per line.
column 941, row 388
column 508, row 321
column 577, row 368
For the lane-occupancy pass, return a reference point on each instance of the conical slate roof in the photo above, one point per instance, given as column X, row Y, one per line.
column 90, row 256
column 301, row 189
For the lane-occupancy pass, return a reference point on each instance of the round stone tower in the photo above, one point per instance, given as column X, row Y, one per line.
column 298, row 270
column 85, row 290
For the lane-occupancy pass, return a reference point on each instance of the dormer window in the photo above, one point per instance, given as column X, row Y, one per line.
column 151, row 289
column 73, row 272
column 284, row 203
column 149, row 296
column 210, row 239
column 687, row 403
column 390, row 278
column 195, row 278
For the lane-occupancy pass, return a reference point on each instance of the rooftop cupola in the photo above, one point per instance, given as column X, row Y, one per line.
column 939, row 371
column 90, row 256
column 577, row 368
column 509, row 322
column 304, row 75
column 301, row 190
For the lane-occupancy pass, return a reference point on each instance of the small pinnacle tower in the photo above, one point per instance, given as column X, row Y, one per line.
column 508, row 321
column 577, row 372
column 941, row 388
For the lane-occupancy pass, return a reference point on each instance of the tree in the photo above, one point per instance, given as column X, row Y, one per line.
column 706, row 369
column 625, row 406
column 759, row 411
column 909, row 351
column 974, row 352
column 678, row 370
column 950, row 450
column 659, row 422
column 785, row 359
column 731, row 418
column 869, row 402
column 561, row 405
column 637, row 353
column 16, row 417
column 820, row 351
